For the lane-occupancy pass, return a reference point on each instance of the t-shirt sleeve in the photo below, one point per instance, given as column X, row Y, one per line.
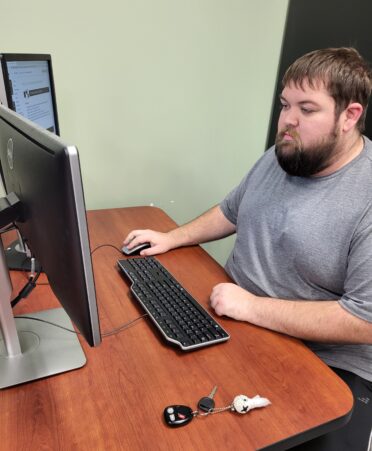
column 357, row 298
column 230, row 205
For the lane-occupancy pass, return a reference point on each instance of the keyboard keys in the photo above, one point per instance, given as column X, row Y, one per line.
column 180, row 318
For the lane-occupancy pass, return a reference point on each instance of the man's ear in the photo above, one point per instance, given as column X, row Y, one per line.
column 351, row 115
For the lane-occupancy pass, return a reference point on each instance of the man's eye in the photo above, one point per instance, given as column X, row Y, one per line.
column 307, row 110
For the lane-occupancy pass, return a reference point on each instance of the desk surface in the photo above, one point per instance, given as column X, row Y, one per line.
column 116, row 401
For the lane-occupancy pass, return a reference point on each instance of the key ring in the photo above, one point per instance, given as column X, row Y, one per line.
column 180, row 415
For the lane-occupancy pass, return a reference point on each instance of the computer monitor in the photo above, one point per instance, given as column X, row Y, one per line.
column 43, row 173
column 27, row 87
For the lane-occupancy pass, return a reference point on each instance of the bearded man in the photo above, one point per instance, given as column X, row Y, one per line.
column 302, row 259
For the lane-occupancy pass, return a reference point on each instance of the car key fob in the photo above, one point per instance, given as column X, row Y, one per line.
column 178, row 415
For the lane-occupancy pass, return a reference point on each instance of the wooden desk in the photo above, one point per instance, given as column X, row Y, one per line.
column 116, row 401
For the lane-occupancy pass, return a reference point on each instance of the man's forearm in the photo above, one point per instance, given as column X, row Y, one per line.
column 210, row 226
column 322, row 321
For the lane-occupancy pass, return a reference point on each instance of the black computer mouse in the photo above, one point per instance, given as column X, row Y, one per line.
column 136, row 249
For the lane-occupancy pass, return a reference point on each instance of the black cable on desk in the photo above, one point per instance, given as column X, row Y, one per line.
column 105, row 334
column 106, row 245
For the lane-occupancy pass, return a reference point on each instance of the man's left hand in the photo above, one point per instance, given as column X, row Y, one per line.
column 231, row 300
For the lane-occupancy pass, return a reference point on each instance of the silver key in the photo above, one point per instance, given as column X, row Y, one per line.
column 206, row 404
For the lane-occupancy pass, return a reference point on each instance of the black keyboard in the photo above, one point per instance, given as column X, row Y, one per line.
column 178, row 316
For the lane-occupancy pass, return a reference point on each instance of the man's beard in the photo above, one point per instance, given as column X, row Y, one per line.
column 300, row 161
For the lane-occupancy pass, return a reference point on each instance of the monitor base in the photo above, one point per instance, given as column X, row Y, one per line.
column 46, row 349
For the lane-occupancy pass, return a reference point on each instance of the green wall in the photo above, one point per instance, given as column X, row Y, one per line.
column 168, row 101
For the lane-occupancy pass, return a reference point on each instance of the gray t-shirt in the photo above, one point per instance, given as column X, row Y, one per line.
column 308, row 238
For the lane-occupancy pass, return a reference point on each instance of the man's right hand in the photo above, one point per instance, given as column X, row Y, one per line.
column 160, row 242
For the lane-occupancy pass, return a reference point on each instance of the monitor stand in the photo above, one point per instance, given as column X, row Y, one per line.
column 30, row 349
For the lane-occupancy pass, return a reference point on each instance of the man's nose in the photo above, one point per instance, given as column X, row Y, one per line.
column 289, row 117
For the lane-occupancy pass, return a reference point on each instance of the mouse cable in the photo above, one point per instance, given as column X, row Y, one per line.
column 47, row 283
column 94, row 250
column 105, row 334
column 105, row 245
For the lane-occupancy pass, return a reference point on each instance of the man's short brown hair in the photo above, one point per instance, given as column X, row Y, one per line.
column 344, row 73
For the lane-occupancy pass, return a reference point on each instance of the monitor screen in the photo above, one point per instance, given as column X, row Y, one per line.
column 28, row 88
column 44, row 173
